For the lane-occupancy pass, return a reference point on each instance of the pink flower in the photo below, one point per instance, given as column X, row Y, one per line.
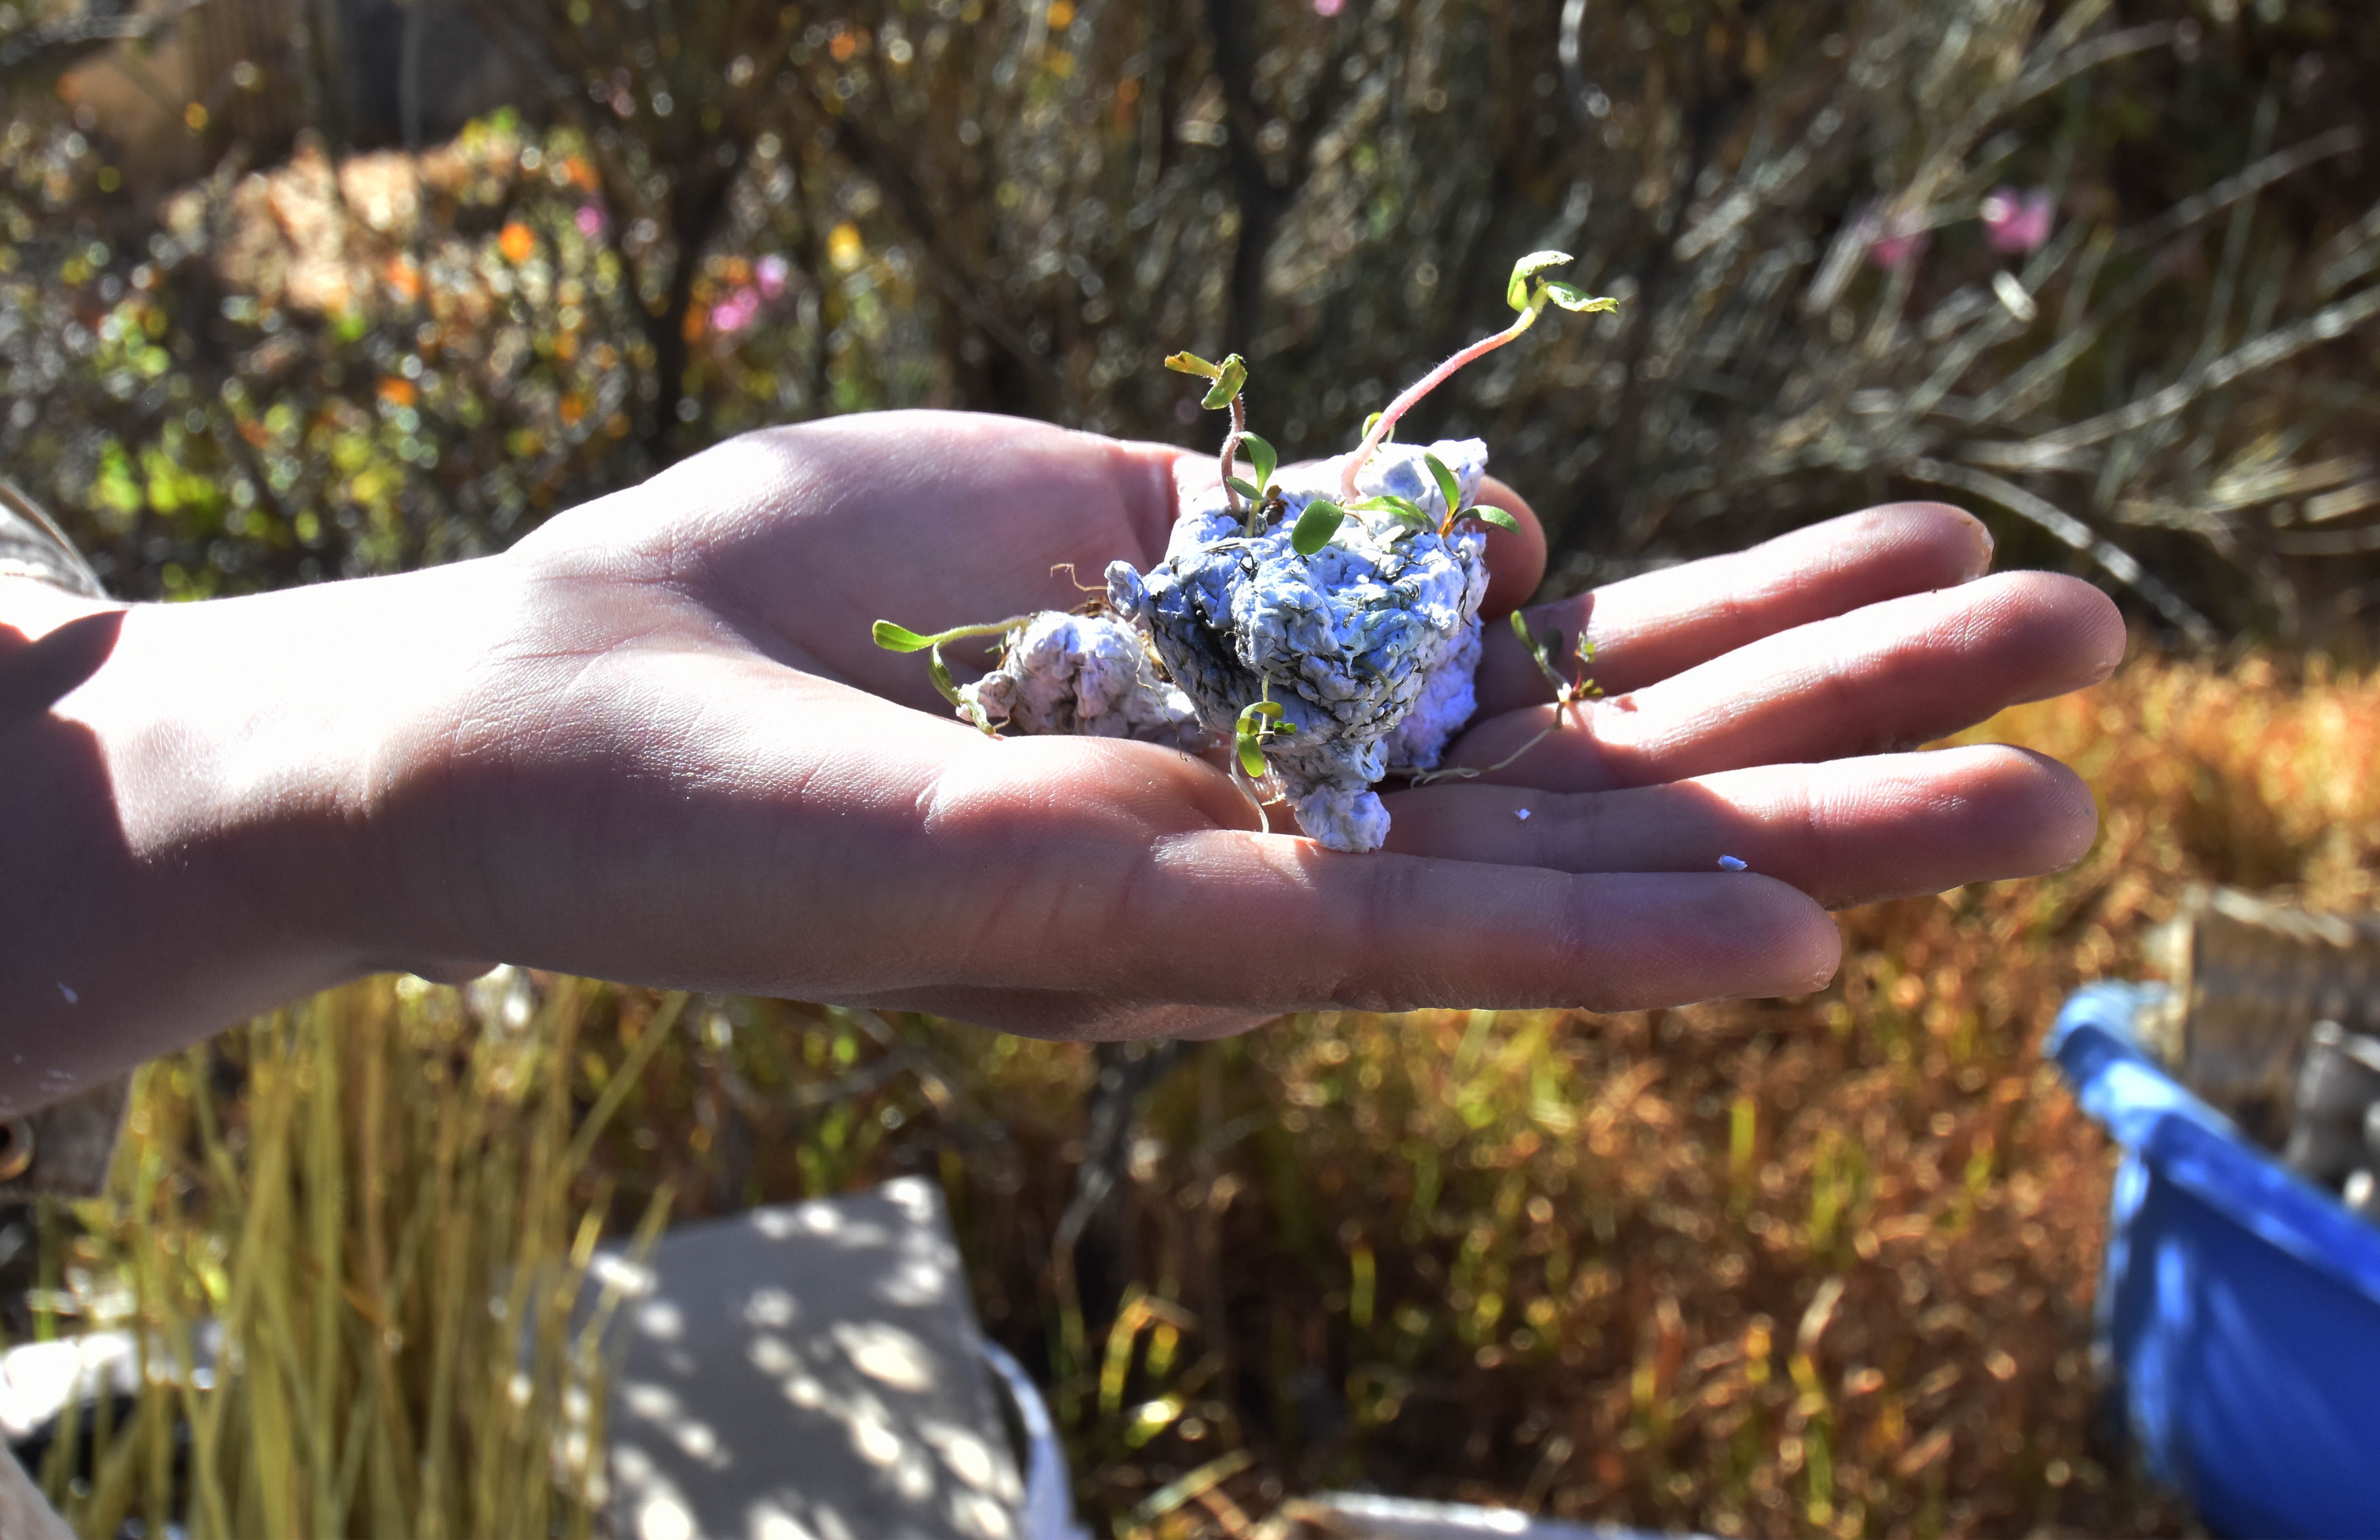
column 1894, row 252
column 2017, row 222
column 1892, row 241
column 735, row 312
column 1327, row 7
column 590, row 220
column 770, row 272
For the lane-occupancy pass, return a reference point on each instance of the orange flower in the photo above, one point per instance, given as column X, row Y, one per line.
column 398, row 391
column 516, row 242
column 403, row 279
column 574, row 406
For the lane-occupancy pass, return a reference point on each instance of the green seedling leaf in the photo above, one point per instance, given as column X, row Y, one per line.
column 1521, row 629
column 1241, row 485
column 1390, row 502
column 1497, row 517
column 1248, row 737
column 1368, row 421
column 1542, row 651
column 1448, row 487
column 1255, row 720
column 1570, row 296
column 1517, row 289
column 1262, row 457
column 1316, row 525
column 1190, row 363
column 898, row 638
column 1229, row 379
column 941, row 672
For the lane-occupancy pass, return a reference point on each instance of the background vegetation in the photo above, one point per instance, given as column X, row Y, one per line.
column 238, row 352
column 1817, row 1265
column 331, row 307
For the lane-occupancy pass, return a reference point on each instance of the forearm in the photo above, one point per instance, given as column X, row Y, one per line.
column 185, row 829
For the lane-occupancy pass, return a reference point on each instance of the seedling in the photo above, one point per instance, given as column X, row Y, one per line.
column 1228, row 393
column 1567, row 693
column 1529, row 292
column 1372, row 649
column 1259, row 723
column 900, row 638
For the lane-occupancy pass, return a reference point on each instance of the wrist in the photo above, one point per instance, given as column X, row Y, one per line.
column 199, row 835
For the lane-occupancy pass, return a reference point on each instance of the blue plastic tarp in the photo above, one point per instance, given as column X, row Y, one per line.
column 2240, row 1307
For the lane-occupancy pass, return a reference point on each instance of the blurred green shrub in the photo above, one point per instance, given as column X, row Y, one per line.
column 752, row 213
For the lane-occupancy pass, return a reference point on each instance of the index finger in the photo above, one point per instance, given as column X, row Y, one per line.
column 1658, row 624
column 1282, row 925
column 1112, row 870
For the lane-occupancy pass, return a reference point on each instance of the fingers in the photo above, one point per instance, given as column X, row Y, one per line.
column 1045, row 894
column 1892, row 675
column 730, row 827
column 1850, row 832
column 1648, row 627
column 1289, row 925
column 1516, row 558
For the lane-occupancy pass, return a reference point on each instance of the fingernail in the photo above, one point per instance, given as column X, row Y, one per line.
column 1983, row 547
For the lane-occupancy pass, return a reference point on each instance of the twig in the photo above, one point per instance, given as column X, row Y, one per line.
column 2119, row 564
column 2240, row 185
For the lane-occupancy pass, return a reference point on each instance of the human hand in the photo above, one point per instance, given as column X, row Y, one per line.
column 654, row 743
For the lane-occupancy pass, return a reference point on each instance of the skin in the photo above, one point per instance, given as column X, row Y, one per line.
column 654, row 743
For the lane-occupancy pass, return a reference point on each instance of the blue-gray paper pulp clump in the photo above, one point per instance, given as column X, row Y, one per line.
column 1369, row 645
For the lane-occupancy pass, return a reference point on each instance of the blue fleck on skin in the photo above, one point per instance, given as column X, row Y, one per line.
column 1369, row 645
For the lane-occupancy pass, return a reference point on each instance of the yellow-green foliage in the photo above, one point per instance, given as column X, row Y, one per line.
column 376, row 1198
column 1820, row 1266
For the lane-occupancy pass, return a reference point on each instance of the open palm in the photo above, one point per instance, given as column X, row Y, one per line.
column 689, row 765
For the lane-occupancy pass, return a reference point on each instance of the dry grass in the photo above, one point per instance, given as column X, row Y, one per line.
column 377, row 1197
column 1812, row 1266
column 1820, row 1266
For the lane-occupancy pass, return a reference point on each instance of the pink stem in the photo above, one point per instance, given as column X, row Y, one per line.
column 1232, row 452
column 1420, row 388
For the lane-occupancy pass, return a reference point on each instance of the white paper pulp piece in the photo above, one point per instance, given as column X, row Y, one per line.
column 1087, row 674
column 1369, row 645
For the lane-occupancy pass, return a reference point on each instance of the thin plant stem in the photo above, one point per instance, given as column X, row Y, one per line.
column 1231, row 456
column 1470, row 773
column 1248, row 789
column 1387, row 421
column 991, row 628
